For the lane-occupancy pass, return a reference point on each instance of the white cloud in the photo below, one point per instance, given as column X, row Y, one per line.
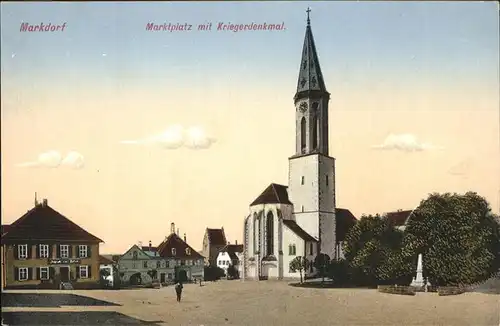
column 176, row 137
column 73, row 160
column 404, row 142
column 54, row 159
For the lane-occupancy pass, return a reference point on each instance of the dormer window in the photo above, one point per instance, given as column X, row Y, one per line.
column 173, row 251
column 188, row 251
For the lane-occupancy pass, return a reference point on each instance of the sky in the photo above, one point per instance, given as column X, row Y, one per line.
column 126, row 130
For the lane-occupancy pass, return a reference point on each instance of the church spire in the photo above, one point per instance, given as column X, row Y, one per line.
column 310, row 76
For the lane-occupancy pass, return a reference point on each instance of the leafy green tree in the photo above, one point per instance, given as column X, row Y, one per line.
column 321, row 263
column 153, row 273
column 338, row 270
column 458, row 236
column 372, row 249
column 299, row 264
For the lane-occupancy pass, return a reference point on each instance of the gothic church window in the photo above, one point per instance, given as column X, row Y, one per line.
column 303, row 134
column 326, row 179
column 254, row 232
column 315, row 132
column 270, row 233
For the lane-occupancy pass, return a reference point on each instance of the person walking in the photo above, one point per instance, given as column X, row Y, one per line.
column 178, row 290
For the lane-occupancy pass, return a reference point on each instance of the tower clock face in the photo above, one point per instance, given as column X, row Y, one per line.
column 303, row 107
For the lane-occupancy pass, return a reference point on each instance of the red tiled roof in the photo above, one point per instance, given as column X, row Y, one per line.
column 44, row 223
column 345, row 220
column 216, row 237
column 181, row 252
column 232, row 249
column 273, row 194
column 398, row 218
column 5, row 228
column 292, row 225
column 105, row 261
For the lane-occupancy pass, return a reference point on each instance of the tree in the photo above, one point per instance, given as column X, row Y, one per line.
column 458, row 236
column 299, row 264
column 232, row 272
column 153, row 273
column 338, row 270
column 371, row 248
column 321, row 263
column 103, row 280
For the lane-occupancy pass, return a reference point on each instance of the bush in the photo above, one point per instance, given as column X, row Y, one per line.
column 213, row 273
column 394, row 289
column 450, row 290
column 339, row 272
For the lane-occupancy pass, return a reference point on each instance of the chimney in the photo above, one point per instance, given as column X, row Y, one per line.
column 44, row 203
column 177, row 231
column 149, row 245
column 36, row 200
column 184, row 237
column 228, row 242
column 235, row 241
column 172, row 227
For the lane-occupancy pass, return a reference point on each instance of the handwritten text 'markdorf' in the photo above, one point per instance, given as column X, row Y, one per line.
column 221, row 26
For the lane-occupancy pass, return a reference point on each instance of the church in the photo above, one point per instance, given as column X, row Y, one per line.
column 300, row 219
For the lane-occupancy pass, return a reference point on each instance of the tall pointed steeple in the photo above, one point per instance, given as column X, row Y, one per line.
column 310, row 76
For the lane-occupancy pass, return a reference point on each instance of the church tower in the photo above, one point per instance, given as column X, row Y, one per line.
column 311, row 170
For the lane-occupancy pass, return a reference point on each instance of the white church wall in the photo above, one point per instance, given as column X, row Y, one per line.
column 303, row 192
column 326, row 185
column 290, row 238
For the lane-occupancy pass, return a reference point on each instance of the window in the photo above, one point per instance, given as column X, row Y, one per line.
column 189, row 262
column 64, row 251
column 134, row 254
column 43, row 251
column 158, row 264
column 292, row 250
column 134, row 265
column 326, row 179
column 270, row 234
column 173, row 251
column 314, row 135
column 22, row 251
column 167, row 264
column 188, row 251
column 145, row 264
column 83, row 272
column 311, row 248
column 82, row 251
column 302, row 208
column 183, row 262
column 44, row 273
column 302, row 180
column 23, row 274
column 303, row 135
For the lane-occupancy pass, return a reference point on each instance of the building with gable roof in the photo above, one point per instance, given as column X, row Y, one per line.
column 43, row 248
column 213, row 241
column 300, row 219
column 172, row 259
column 231, row 254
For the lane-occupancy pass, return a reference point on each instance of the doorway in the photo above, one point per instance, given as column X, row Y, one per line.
column 64, row 271
column 162, row 278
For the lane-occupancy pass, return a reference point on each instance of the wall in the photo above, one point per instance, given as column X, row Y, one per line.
column 305, row 197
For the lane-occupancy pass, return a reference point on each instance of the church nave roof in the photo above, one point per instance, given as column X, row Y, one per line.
column 273, row 194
